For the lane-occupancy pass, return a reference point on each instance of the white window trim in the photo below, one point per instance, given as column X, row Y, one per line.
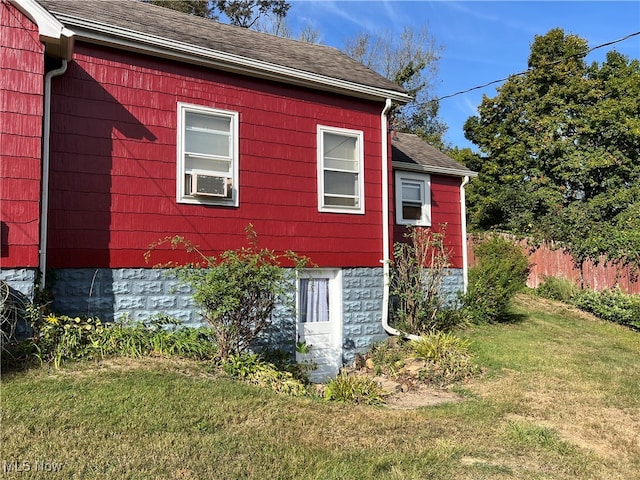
column 425, row 217
column 359, row 135
column 183, row 108
column 334, row 290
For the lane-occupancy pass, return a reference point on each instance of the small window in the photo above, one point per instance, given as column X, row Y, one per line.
column 413, row 199
column 313, row 300
column 340, row 170
column 207, row 155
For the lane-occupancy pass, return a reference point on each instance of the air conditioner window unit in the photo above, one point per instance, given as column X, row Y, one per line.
column 207, row 185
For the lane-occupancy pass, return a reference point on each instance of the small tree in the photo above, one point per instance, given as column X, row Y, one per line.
column 500, row 272
column 239, row 290
column 417, row 273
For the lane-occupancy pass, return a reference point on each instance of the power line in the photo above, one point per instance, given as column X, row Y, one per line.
column 582, row 54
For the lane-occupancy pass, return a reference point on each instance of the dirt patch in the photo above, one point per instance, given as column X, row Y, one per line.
column 421, row 396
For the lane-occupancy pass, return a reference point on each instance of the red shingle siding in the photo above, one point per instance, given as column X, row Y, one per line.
column 445, row 209
column 21, row 92
column 114, row 164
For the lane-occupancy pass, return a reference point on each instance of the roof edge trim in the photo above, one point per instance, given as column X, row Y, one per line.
column 410, row 167
column 57, row 38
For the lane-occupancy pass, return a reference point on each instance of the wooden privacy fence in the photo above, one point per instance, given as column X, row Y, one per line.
column 549, row 262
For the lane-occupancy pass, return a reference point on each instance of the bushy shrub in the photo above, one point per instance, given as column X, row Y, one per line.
column 500, row 272
column 612, row 305
column 419, row 267
column 251, row 368
column 557, row 288
column 354, row 389
column 237, row 291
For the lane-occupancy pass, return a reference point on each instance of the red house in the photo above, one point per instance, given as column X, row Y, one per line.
column 124, row 122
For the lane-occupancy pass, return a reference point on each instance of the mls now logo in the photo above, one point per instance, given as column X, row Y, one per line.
column 28, row 466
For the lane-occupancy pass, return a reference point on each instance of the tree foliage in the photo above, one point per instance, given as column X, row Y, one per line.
column 245, row 13
column 560, row 149
column 411, row 61
column 242, row 13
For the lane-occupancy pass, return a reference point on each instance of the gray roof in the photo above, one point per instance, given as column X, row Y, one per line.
column 410, row 152
column 146, row 23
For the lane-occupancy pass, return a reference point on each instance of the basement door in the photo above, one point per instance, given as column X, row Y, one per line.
column 319, row 321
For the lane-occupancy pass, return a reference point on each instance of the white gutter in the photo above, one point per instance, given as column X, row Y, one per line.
column 465, row 255
column 46, row 149
column 410, row 167
column 386, row 259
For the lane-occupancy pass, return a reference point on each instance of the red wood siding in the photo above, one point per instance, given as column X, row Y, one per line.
column 445, row 209
column 114, row 165
column 21, row 92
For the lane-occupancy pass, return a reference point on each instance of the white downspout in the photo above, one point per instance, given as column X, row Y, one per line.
column 385, row 226
column 465, row 255
column 386, row 257
column 46, row 149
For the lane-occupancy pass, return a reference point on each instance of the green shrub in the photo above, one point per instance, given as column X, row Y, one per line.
column 612, row 305
column 354, row 389
column 252, row 369
column 557, row 288
column 60, row 338
column 238, row 290
column 419, row 267
column 500, row 272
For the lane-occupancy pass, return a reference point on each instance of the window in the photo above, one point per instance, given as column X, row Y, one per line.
column 413, row 199
column 207, row 156
column 313, row 300
column 340, row 170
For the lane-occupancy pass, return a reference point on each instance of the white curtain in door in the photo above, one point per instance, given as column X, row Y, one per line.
column 314, row 300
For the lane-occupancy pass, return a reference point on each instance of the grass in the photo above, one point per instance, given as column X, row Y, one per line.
column 560, row 400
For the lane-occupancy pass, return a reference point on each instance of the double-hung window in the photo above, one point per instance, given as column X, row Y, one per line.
column 413, row 199
column 340, row 170
column 207, row 155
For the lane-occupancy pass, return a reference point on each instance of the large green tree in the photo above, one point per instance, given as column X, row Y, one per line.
column 560, row 149
column 411, row 60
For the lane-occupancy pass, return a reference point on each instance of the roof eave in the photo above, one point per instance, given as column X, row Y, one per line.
column 58, row 39
column 108, row 35
column 416, row 167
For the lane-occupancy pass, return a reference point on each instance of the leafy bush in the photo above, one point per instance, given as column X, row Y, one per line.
column 557, row 288
column 417, row 272
column 354, row 389
column 612, row 305
column 238, row 290
column 500, row 272
column 61, row 338
column 448, row 357
column 251, row 368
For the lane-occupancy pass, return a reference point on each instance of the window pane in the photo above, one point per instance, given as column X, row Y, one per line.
column 340, row 147
column 201, row 121
column 411, row 211
column 314, row 300
column 412, row 191
column 207, row 134
column 213, row 165
column 338, row 164
column 340, row 183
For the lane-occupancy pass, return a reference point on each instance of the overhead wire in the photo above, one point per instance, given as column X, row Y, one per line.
column 555, row 62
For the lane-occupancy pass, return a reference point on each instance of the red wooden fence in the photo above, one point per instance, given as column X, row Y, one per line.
column 549, row 262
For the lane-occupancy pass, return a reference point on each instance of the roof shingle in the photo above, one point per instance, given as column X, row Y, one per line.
column 164, row 23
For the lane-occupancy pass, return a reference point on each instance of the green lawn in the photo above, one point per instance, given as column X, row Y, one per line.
column 560, row 399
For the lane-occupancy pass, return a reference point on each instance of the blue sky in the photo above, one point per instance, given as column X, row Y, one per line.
column 481, row 41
